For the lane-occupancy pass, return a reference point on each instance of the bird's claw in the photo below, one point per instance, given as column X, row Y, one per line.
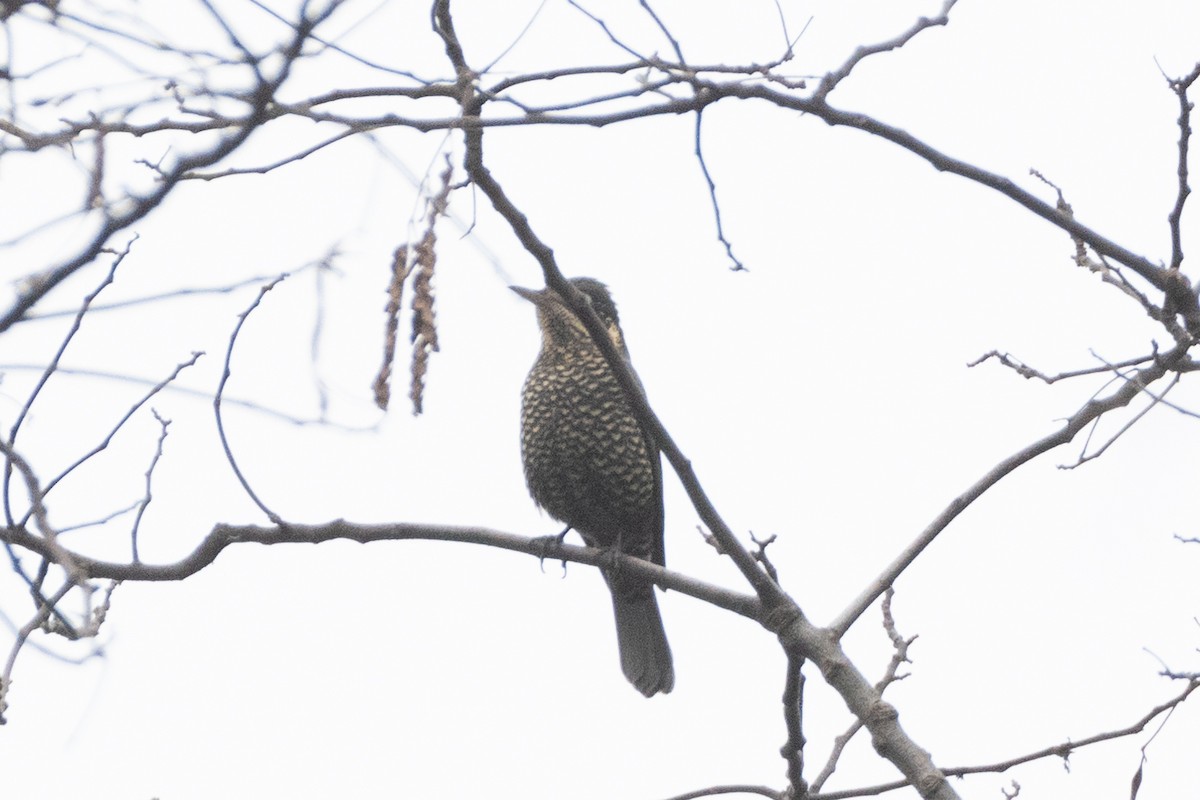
column 610, row 559
column 547, row 544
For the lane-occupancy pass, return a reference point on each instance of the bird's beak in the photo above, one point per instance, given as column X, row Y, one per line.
column 531, row 295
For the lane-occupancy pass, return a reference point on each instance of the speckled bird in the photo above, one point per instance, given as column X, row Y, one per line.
column 590, row 464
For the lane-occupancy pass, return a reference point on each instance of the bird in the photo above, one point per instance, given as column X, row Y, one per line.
column 590, row 464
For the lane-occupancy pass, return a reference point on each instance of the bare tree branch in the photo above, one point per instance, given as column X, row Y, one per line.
column 1026, row 371
column 1155, row 399
column 112, row 432
column 260, row 100
column 737, row 265
column 223, row 536
column 173, row 294
column 665, row 31
column 832, row 79
column 199, row 394
column 735, row 788
column 53, row 366
column 149, row 495
column 793, row 716
column 900, row 647
column 1062, row 750
column 1091, row 410
column 225, row 374
column 612, row 37
column 23, row 634
column 1180, row 87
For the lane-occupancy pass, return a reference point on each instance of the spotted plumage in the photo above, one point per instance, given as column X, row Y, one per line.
column 589, row 464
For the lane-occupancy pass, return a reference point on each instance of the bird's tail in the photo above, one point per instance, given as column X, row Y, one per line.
column 645, row 654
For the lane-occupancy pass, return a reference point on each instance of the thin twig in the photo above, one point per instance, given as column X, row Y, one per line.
column 1026, row 371
column 96, row 650
column 1091, row 411
column 612, row 37
column 43, row 614
column 260, row 100
column 263, row 169
column 737, row 265
column 760, row 554
column 52, row 367
column 832, row 79
column 148, row 496
column 517, row 40
column 733, row 788
column 112, row 432
column 1062, row 750
column 199, row 394
column 271, row 515
column 109, row 517
column 174, row 294
column 1136, row 781
column 664, row 30
column 1155, row 399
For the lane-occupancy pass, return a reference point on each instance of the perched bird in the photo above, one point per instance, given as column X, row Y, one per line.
column 590, row 464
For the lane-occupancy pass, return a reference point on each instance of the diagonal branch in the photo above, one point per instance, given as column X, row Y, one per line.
column 112, row 432
column 1062, row 750
column 662, row 27
column 832, row 79
column 1093, row 409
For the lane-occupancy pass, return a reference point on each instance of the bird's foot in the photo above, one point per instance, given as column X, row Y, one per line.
column 544, row 546
column 610, row 559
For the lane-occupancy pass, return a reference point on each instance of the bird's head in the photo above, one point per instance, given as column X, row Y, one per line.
column 558, row 322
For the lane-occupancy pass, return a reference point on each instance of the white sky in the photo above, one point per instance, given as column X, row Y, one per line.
column 822, row 397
